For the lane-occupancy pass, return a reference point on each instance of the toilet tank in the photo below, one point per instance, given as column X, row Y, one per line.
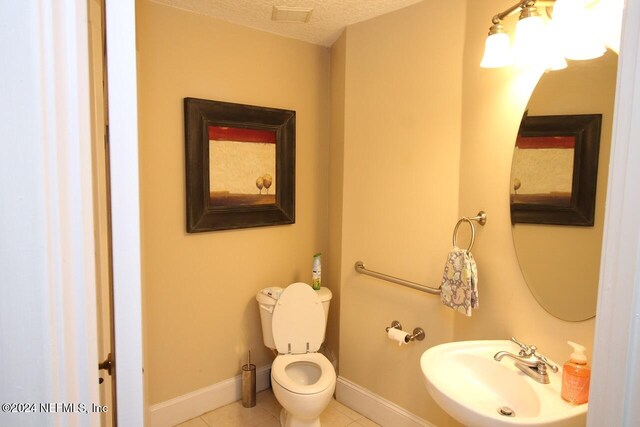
column 267, row 298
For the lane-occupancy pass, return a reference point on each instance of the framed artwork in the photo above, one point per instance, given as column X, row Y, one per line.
column 555, row 168
column 240, row 165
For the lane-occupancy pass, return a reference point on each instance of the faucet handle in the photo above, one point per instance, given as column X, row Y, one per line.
column 525, row 350
column 544, row 360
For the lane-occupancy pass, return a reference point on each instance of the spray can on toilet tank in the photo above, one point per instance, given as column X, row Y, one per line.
column 316, row 272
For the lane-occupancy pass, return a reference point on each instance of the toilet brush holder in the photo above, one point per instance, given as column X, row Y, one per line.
column 249, row 384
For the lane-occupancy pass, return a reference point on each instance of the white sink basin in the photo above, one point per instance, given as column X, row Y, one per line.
column 469, row 385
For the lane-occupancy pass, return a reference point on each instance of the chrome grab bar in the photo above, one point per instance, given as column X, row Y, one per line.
column 360, row 268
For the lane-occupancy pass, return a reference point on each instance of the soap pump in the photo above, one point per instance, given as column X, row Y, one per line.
column 576, row 375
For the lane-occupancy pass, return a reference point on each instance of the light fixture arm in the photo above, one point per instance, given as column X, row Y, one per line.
column 521, row 4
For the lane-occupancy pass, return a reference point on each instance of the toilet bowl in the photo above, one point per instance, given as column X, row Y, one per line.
column 303, row 380
column 304, row 385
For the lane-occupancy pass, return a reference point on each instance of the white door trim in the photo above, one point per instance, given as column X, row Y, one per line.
column 615, row 390
column 125, row 209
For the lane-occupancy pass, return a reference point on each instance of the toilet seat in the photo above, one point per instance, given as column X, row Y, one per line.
column 325, row 380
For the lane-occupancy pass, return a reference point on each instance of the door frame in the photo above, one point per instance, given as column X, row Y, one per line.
column 125, row 209
column 615, row 389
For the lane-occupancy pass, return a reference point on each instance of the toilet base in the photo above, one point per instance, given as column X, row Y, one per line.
column 287, row 419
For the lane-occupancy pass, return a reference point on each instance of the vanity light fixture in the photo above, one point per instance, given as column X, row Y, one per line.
column 538, row 44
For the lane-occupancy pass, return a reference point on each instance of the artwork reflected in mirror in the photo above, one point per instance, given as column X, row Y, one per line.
column 543, row 170
column 560, row 260
column 242, row 166
column 554, row 170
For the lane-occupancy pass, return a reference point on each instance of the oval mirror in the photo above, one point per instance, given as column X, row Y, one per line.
column 558, row 185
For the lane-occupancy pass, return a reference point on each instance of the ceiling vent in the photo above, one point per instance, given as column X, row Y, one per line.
column 291, row 14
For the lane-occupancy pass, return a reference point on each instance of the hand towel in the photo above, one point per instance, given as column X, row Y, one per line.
column 459, row 287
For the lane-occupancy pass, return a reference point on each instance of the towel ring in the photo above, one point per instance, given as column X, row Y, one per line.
column 473, row 232
column 481, row 218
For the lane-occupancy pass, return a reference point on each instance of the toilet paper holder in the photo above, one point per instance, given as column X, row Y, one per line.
column 418, row 333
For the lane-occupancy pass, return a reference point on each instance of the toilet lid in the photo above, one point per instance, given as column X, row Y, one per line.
column 298, row 321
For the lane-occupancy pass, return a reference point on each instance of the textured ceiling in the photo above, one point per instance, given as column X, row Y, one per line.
column 327, row 22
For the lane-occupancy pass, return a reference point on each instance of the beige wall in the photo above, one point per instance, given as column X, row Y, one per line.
column 400, row 191
column 200, row 315
column 401, row 89
column 336, row 176
column 493, row 103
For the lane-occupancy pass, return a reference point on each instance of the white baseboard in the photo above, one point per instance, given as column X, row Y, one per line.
column 196, row 403
column 374, row 407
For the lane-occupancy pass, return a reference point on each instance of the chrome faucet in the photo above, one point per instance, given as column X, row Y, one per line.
column 528, row 361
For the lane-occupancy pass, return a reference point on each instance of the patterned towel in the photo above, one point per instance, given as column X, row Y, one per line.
column 460, row 281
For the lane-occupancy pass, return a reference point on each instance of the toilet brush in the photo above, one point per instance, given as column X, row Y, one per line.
column 249, row 383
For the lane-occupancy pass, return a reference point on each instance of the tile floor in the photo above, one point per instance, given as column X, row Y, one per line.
column 266, row 413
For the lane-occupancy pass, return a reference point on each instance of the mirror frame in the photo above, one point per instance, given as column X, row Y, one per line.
column 586, row 130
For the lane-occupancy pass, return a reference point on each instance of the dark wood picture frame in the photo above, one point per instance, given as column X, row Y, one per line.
column 199, row 115
column 586, row 130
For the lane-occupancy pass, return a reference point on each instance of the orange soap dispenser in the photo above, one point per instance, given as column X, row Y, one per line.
column 576, row 375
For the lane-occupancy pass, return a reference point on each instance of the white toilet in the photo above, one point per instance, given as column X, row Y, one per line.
column 294, row 320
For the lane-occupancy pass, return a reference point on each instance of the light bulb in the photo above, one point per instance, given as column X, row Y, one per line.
column 530, row 45
column 497, row 51
column 609, row 15
column 555, row 58
column 576, row 30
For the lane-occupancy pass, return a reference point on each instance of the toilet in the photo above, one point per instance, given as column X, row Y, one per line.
column 294, row 320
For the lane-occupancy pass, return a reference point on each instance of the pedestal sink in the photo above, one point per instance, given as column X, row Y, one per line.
column 465, row 380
